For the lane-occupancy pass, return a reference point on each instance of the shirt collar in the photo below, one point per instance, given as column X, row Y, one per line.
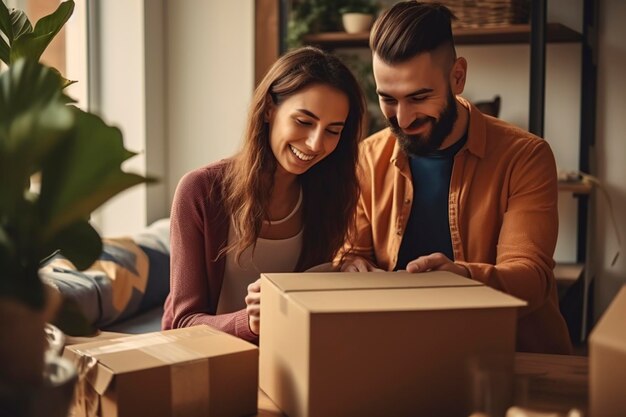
column 476, row 130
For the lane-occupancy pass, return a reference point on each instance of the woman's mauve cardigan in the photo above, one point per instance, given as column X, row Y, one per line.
column 199, row 230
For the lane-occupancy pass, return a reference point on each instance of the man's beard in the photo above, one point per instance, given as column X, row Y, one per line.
column 424, row 144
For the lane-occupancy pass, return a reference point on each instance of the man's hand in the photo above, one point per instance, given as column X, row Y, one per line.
column 358, row 264
column 253, row 306
column 436, row 262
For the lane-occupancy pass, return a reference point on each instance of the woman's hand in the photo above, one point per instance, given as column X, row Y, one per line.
column 253, row 306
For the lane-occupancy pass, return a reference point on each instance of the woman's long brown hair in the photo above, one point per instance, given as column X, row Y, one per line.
column 330, row 187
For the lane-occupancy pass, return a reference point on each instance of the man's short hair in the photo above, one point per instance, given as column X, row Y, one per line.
column 409, row 28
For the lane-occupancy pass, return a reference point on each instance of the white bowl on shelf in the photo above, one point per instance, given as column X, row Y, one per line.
column 357, row 22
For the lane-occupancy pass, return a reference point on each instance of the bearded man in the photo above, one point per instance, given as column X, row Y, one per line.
column 446, row 187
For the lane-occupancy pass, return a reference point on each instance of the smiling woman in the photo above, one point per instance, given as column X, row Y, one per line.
column 305, row 127
column 284, row 203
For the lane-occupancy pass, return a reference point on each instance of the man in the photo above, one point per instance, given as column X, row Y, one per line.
column 448, row 188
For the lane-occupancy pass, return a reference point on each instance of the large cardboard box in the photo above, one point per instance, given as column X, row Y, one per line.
column 379, row 344
column 607, row 361
column 195, row 371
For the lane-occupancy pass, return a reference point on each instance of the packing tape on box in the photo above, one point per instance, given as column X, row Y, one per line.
column 145, row 342
column 171, row 353
column 189, row 378
column 136, row 343
column 86, row 400
column 190, row 389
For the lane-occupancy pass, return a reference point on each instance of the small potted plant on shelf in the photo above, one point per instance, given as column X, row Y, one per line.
column 78, row 158
column 311, row 16
column 357, row 15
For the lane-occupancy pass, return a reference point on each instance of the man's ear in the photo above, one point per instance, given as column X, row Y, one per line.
column 270, row 108
column 458, row 75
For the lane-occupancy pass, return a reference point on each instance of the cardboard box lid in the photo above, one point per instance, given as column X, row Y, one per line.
column 138, row 352
column 389, row 291
column 611, row 329
column 320, row 281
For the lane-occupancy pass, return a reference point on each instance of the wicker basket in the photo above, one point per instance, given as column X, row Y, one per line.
column 488, row 13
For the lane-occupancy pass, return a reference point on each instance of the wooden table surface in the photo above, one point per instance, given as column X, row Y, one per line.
column 549, row 383
column 555, row 382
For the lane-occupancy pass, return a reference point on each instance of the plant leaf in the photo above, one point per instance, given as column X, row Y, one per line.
column 53, row 23
column 5, row 51
column 7, row 248
column 5, row 22
column 33, row 44
column 33, row 119
column 67, row 99
column 24, row 286
column 20, row 25
column 29, row 46
column 25, row 85
column 64, row 81
column 84, row 172
column 6, row 33
column 71, row 319
column 79, row 242
column 19, row 263
column 13, row 24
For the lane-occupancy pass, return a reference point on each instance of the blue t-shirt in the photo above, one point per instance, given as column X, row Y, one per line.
column 428, row 228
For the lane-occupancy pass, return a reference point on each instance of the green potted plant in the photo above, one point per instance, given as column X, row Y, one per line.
column 78, row 158
column 357, row 15
column 311, row 16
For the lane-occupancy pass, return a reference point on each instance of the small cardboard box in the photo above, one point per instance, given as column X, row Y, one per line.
column 195, row 371
column 607, row 361
column 378, row 344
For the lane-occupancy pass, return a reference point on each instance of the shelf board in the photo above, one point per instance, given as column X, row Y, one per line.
column 556, row 33
column 332, row 40
column 519, row 33
column 576, row 187
column 568, row 273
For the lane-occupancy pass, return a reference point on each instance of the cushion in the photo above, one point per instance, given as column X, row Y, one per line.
column 130, row 276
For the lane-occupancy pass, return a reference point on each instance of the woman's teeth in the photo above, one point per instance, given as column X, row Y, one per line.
column 300, row 155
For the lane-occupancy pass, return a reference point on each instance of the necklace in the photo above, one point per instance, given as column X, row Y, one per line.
column 290, row 215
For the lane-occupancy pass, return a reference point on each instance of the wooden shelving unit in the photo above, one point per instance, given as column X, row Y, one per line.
column 510, row 34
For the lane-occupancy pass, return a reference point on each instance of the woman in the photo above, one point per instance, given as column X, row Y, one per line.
column 284, row 203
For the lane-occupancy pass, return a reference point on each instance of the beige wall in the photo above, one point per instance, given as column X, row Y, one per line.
column 119, row 95
column 176, row 77
column 610, row 151
column 210, row 61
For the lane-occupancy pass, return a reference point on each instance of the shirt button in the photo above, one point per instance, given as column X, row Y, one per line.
column 399, row 232
column 407, row 201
